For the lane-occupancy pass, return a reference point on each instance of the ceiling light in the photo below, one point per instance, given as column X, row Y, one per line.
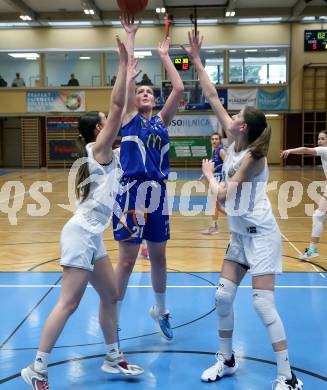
column 24, row 55
column 163, row 10
column 232, row 51
column 271, row 115
column 251, row 50
column 6, row 25
column 207, row 21
column 141, row 54
column 84, row 58
column 25, row 17
column 158, row 10
column 229, row 14
column 249, row 20
column 309, row 18
column 89, row 12
column 277, row 19
column 70, row 24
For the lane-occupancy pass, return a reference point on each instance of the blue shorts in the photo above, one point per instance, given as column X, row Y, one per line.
column 141, row 212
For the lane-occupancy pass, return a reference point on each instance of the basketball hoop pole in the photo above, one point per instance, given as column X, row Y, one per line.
column 194, row 20
column 167, row 25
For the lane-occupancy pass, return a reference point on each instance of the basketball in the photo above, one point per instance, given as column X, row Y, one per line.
column 132, row 7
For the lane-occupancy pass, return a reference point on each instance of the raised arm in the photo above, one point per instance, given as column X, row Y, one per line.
column 170, row 107
column 208, row 89
column 131, row 29
column 301, row 150
column 102, row 148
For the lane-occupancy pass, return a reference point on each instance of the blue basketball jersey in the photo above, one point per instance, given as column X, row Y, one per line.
column 218, row 160
column 144, row 149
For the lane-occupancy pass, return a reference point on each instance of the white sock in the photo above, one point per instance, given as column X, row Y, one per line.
column 313, row 245
column 112, row 350
column 283, row 364
column 161, row 303
column 41, row 361
column 226, row 347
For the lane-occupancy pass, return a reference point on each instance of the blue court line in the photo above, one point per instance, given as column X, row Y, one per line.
column 2, row 173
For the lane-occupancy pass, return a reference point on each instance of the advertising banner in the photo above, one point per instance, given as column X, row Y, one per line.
column 55, row 101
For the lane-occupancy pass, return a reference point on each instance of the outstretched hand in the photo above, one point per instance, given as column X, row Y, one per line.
column 195, row 43
column 132, row 71
column 284, row 153
column 129, row 24
column 208, row 168
column 123, row 55
column 163, row 48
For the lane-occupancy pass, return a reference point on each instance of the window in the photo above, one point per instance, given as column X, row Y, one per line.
column 84, row 66
column 214, row 65
column 257, row 66
column 26, row 64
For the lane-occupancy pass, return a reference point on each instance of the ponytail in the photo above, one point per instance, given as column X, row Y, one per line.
column 259, row 132
column 83, row 172
column 259, row 148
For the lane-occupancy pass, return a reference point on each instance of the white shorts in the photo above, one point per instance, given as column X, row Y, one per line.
column 261, row 254
column 80, row 248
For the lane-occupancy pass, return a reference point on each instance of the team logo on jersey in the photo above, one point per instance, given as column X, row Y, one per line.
column 155, row 139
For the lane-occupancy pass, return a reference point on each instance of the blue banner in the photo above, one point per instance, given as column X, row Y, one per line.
column 272, row 100
column 222, row 92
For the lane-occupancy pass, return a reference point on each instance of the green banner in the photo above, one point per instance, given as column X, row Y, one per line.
column 194, row 149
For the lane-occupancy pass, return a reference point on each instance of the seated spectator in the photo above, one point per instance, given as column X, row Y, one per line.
column 3, row 83
column 113, row 80
column 145, row 80
column 73, row 82
column 18, row 81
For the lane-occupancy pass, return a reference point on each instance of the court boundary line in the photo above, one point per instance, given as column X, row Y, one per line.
column 28, row 315
column 299, row 252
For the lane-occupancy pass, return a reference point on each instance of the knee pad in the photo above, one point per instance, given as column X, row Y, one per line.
column 318, row 219
column 264, row 304
column 225, row 296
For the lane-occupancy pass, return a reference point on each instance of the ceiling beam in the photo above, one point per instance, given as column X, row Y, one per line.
column 23, row 8
column 298, row 9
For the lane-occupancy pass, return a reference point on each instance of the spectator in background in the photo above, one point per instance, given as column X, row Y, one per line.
column 145, row 80
column 3, row 83
column 73, row 82
column 113, row 80
column 18, row 81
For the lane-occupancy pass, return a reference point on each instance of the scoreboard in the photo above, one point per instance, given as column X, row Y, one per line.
column 315, row 40
column 182, row 63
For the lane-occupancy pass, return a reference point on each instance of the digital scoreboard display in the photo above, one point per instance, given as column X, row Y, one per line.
column 182, row 63
column 315, row 40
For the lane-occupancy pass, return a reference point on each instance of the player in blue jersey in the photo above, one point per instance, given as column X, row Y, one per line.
column 218, row 157
column 83, row 255
column 142, row 211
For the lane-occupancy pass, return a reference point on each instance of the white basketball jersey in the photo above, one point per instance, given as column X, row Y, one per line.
column 94, row 213
column 248, row 207
column 322, row 152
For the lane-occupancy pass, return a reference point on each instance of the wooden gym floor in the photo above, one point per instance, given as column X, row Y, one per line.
column 33, row 243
